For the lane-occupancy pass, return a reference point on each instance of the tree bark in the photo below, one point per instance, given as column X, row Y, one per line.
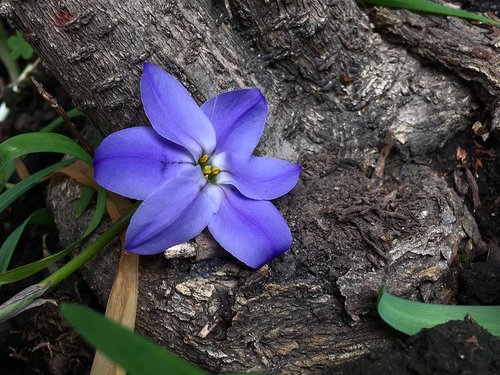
column 335, row 89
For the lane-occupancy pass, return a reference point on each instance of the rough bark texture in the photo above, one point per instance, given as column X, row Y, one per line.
column 335, row 89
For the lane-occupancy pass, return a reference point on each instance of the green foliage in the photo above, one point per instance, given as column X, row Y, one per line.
column 84, row 201
column 30, row 297
column 6, row 173
column 41, row 216
column 72, row 113
column 100, row 209
column 410, row 317
column 24, row 300
column 28, row 143
column 426, row 6
column 136, row 354
column 9, row 196
column 30, row 269
column 19, row 47
column 90, row 251
column 8, row 62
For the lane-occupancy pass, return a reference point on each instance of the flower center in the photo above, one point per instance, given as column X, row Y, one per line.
column 208, row 170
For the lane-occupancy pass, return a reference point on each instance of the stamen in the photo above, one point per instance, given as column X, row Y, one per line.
column 207, row 169
column 203, row 159
column 215, row 171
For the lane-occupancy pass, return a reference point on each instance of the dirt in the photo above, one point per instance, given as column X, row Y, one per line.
column 456, row 347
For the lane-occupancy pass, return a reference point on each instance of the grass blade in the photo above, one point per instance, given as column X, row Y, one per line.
column 100, row 209
column 30, row 269
column 136, row 354
column 6, row 173
column 72, row 113
column 28, row 143
column 410, row 317
column 9, row 196
column 41, row 216
column 84, row 201
column 22, row 301
column 426, row 6
column 29, row 297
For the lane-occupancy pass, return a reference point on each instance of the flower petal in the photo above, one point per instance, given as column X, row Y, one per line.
column 257, row 177
column 253, row 231
column 175, row 213
column 173, row 112
column 238, row 118
column 134, row 162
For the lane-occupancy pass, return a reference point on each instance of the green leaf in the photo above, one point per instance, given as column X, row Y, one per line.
column 9, row 196
column 72, row 113
column 136, row 354
column 22, row 301
column 9, row 170
column 29, row 297
column 30, row 269
column 410, row 317
column 84, row 201
column 426, row 6
column 41, row 216
column 40, row 142
column 19, row 47
column 6, row 173
column 100, row 208
column 8, row 62
column 90, row 251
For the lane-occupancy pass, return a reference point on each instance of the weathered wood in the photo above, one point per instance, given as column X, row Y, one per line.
column 335, row 88
column 470, row 50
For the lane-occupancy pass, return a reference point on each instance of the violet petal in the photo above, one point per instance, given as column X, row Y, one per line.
column 173, row 112
column 257, row 177
column 252, row 231
column 238, row 118
column 175, row 213
column 134, row 162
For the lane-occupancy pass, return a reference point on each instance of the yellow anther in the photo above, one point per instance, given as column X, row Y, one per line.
column 203, row 159
column 215, row 171
column 207, row 169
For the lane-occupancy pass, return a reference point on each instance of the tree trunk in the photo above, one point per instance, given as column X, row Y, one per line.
column 335, row 90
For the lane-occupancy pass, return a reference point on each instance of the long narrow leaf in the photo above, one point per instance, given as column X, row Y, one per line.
column 6, row 173
column 136, row 354
column 410, row 317
column 90, row 251
column 100, row 209
column 41, row 216
column 9, row 196
column 72, row 113
column 426, row 6
column 29, row 297
column 30, row 269
column 28, row 143
column 22, row 301
column 84, row 201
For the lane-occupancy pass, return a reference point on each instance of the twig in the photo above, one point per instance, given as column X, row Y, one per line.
column 379, row 168
column 49, row 98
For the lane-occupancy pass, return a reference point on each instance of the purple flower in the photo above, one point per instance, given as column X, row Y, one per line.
column 194, row 168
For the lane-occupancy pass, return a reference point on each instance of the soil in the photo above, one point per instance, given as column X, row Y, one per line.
column 456, row 347
column 39, row 342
